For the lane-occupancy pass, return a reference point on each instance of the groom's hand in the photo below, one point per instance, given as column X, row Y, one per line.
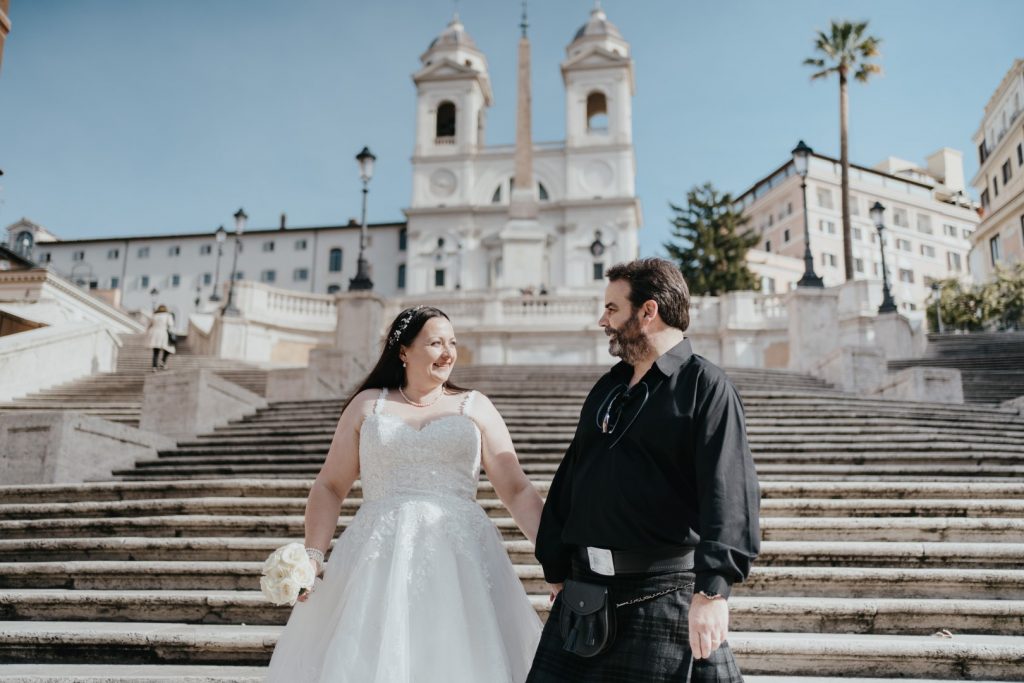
column 709, row 625
column 555, row 589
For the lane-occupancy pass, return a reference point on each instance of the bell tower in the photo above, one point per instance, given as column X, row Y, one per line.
column 599, row 86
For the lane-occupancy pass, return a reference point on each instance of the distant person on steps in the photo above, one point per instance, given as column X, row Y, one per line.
column 158, row 336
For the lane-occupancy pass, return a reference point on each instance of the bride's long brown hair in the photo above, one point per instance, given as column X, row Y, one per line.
column 388, row 373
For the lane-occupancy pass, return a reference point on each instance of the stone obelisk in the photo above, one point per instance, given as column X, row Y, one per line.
column 523, row 240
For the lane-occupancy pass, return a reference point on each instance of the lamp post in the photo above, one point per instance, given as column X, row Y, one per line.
column 888, row 304
column 221, row 235
column 801, row 160
column 937, row 293
column 153, row 294
column 362, row 279
column 229, row 307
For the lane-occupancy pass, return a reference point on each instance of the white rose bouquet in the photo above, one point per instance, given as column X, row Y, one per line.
column 287, row 574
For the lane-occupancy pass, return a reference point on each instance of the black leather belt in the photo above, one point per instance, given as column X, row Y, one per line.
column 675, row 559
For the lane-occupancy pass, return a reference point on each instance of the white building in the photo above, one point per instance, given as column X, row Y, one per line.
column 999, row 239
column 928, row 220
column 580, row 215
column 184, row 267
column 586, row 215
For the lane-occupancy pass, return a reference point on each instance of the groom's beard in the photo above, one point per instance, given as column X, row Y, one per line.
column 629, row 341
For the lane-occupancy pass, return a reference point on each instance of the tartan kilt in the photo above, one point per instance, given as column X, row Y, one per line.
column 651, row 644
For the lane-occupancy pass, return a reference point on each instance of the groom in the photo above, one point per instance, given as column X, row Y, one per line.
column 654, row 508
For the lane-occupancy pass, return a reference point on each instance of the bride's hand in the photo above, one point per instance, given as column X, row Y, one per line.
column 555, row 589
column 316, row 572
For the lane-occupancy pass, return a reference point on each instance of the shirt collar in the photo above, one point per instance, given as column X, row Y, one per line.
column 668, row 363
column 673, row 359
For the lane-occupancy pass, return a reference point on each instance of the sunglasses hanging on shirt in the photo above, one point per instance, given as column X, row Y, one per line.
column 610, row 413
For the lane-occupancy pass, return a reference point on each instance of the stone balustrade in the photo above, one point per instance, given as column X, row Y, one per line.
column 301, row 310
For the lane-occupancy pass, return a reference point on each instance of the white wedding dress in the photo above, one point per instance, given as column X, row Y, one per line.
column 419, row 588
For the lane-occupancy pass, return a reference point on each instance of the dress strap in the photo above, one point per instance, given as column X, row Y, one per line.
column 378, row 405
column 466, row 402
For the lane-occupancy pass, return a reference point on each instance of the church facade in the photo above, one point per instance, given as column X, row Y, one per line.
column 469, row 226
column 574, row 213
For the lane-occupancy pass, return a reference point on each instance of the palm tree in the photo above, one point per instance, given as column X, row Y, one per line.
column 845, row 52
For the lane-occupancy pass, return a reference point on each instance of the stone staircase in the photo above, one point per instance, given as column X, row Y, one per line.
column 991, row 364
column 883, row 523
column 117, row 396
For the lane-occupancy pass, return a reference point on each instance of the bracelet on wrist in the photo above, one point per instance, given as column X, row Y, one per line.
column 317, row 556
column 711, row 596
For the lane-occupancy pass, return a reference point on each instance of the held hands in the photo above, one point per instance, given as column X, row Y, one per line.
column 709, row 625
column 555, row 589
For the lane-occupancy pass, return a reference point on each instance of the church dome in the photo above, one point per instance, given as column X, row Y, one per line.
column 597, row 26
column 453, row 36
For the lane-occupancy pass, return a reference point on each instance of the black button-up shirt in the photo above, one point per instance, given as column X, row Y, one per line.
column 675, row 470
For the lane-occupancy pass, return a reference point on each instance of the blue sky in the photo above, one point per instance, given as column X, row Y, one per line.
column 123, row 117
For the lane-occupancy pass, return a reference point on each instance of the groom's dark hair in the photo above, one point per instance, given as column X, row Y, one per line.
column 660, row 280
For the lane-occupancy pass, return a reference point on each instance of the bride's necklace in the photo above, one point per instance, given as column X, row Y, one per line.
column 426, row 404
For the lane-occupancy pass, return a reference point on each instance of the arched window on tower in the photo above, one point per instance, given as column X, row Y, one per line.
column 597, row 113
column 445, row 130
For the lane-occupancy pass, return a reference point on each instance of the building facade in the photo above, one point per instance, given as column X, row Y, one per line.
column 460, row 233
column 183, row 271
column 929, row 223
column 999, row 239
column 587, row 212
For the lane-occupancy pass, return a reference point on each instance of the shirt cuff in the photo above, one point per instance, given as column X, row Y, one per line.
column 555, row 575
column 710, row 582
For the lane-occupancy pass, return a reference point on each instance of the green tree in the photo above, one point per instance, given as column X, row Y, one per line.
column 1003, row 298
column 845, row 52
column 996, row 305
column 711, row 243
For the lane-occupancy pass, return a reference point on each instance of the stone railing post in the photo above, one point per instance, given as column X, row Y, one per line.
column 185, row 403
column 358, row 336
column 813, row 327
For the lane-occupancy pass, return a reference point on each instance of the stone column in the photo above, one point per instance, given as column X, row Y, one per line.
column 813, row 327
column 893, row 336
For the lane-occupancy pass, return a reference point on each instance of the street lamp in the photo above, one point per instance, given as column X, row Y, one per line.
column 153, row 294
column 221, row 235
column 937, row 293
column 888, row 304
column 362, row 279
column 229, row 307
column 801, row 159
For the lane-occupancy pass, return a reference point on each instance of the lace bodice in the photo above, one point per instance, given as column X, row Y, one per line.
column 440, row 459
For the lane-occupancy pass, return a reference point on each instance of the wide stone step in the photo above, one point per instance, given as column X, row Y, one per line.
column 766, row 472
column 965, row 657
column 872, row 582
column 153, row 490
column 975, row 657
column 130, row 673
column 773, row 553
column 782, row 615
column 547, row 461
column 557, row 437
column 254, row 505
column 831, row 582
column 966, row 530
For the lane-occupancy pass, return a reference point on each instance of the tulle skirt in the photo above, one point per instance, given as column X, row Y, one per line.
column 419, row 589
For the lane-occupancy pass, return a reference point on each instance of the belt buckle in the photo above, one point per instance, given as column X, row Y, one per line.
column 601, row 561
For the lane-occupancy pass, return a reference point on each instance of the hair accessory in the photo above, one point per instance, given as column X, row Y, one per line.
column 403, row 323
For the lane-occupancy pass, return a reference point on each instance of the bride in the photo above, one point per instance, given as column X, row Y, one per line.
column 419, row 587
